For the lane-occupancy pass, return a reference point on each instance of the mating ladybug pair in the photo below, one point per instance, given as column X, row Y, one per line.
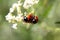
column 30, row 19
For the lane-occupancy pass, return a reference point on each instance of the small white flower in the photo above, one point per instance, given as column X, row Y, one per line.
column 18, row 18
column 14, row 5
column 14, row 26
column 11, row 10
column 27, row 4
column 9, row 17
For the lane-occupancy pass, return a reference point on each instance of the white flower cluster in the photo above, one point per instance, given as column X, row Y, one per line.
column 11, row 17
column 29, row 3
column 17, row 6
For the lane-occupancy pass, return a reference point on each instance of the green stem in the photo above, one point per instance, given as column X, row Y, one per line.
column 29, row 33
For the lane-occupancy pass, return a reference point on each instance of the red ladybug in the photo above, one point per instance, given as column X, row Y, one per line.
column 30, row 18
column 35, row 20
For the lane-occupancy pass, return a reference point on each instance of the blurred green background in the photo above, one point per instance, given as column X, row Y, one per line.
column 48, row 12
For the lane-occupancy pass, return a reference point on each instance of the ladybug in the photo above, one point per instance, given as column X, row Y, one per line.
column 30, row 18
column 25, row 19
column 35, row 20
